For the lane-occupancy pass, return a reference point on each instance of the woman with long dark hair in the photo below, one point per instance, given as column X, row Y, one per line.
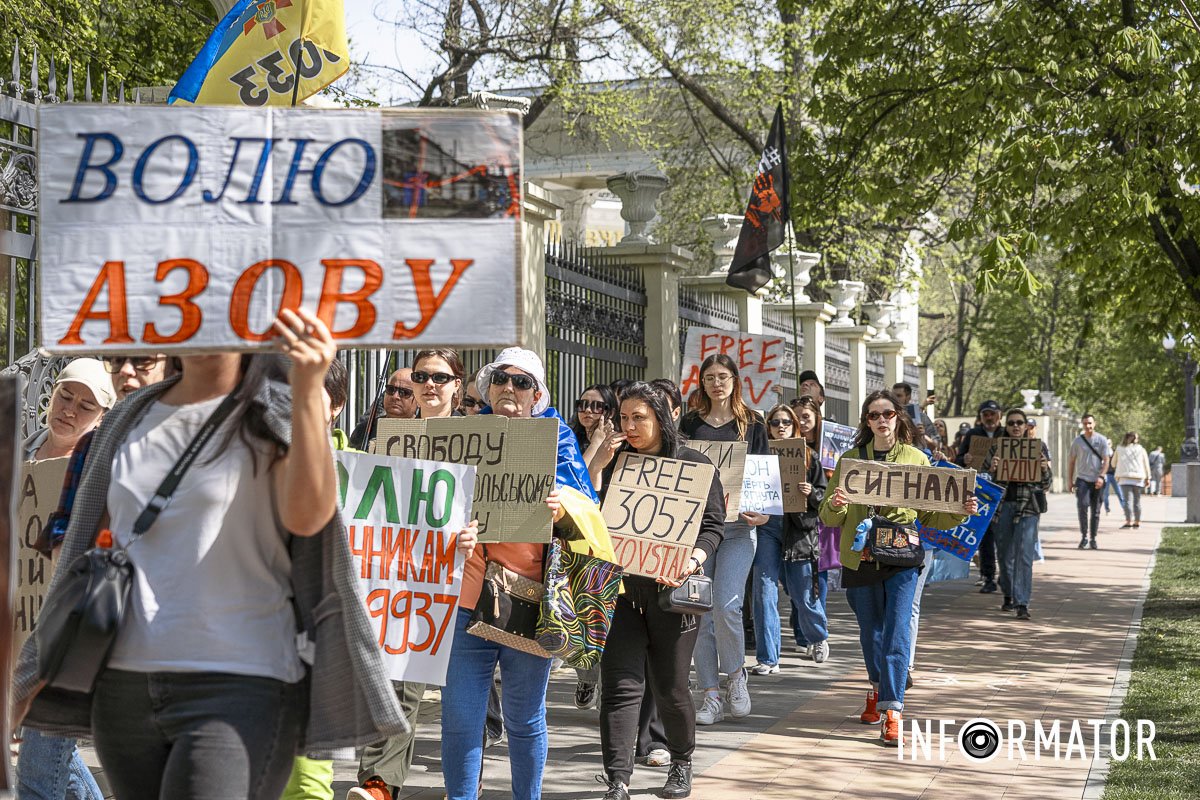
column 882, row 596
column 723, row 416
column 647, row 645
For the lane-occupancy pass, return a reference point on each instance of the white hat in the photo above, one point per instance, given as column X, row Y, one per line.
column 92, row 374
column 524, row 360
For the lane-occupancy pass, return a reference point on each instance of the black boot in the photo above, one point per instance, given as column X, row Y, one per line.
column 1008, row 604
column 679, row 781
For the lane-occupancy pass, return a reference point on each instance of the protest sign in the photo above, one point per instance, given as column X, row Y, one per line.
column 37, row 498
column 977, row 453
column 835, row 440
column 793, row 470
column 401, row 518
column 395, row 226
column 730, row 460
column 1017, row 460
column 963, row 541
column 762, row 490
column 514, row 461
column 653, row 509
column 759, row 361
column 882, row 483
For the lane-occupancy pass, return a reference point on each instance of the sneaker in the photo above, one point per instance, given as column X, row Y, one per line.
column 658, row 757
column 979, row 582
column 821, row 651
column 870, row 715
column 616, row 789
column 1092, row 544
column 989, row 587
column 1137, row 524
column 764, row 669
column 1083, row 543
column 1023, row 612
column 679, row 781
column 808, row 651
column 373, row 788
column 738, row 695
column 711, row 712
column 585, row 694
column 1127, row 524
column 893, row 727
column 1008, row 604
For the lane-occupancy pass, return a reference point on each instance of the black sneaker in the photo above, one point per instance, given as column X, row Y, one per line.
column 1083, row 543
column 1023, row 612
column 989, row 587
column 616, row 789
column 1092, row 545
column 679, row 781
column 1008, row 604
column 585, row 694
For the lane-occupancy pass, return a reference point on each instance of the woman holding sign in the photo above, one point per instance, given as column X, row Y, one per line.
column 723, row 416
column 644, row 637
column 881, row 595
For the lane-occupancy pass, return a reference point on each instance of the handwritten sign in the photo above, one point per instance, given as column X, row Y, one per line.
column 759, row 361
column 514, row 461
column 762, row 490
column 835, row 440
column 880, row 483
column 401, row 518
column 793, row 470
column 978, row 451
column 964, row 540
column 396, row 227
column 1017, row 460
column 730, row 460
column 37, row 498
column 653, row 509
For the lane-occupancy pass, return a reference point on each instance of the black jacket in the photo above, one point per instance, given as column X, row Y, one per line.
column 801, row 530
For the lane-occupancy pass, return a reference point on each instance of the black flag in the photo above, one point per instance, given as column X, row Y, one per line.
column 767, row 215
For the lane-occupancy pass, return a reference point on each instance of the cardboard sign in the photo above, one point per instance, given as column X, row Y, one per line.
column 978, row 451
column 759, row 361
column 402, row 517
column 514, row 460
column 835, row 440
column 653, row 509
column 1017, row 460
column 793, row 470
column 37, row 498
column 964, row 540
column 880, row 483
column 762, row 490
column 730, row 460
column 10, row 470
column 187, row 229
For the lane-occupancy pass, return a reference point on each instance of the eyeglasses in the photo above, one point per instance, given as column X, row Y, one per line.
column 439, row 378
column 520, row 382
column 114, row 364
column 594, row 406
column 471, row 402
column 1013, row 422
column 803, row 400
column 780, row 423
column 875, row 415
column 718, row 378
column 403, row 391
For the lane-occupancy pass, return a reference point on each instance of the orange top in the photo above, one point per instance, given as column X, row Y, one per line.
column 522, row 558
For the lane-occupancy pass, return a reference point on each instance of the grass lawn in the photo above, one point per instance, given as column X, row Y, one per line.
column 1165, row 685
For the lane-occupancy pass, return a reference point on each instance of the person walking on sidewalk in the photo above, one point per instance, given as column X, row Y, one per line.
column 989, row 426
column 1158, row 462
column 881, row 596
column 1087, row 465
column 1133, row 476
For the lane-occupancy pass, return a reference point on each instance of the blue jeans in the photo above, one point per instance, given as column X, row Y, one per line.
column 916, row 608
column 1087, row 503
column 1021, row 536
column 768, row 576
column 721, row 643
column 808, row 611
column 50, row 768
column 1110, row 482
column 884, row 613
column 1002, row 525
column 464, row 709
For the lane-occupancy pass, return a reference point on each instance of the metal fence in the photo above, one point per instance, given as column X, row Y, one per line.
column 707, row 310
column 779, row 323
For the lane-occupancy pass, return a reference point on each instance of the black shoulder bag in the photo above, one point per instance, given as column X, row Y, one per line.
column 890, row 543
column 78, row 625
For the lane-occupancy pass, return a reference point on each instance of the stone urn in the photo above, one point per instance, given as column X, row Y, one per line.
column 880, row 313
column 1047, row 399
column 845, row 296
column 722, row 231
column 639, row 193
column 1029, row 395
column 801, row 262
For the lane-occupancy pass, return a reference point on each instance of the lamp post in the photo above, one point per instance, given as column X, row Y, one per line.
column 1189, row 452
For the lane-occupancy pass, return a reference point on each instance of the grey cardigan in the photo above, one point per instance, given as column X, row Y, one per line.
column 350, row 699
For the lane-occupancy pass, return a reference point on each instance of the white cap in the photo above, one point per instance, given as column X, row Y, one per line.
column 524, row 360
column 92, row 374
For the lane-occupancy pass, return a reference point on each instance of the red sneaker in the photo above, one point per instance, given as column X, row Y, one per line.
column 870, row 715
column 893, row 728
column 372, row 789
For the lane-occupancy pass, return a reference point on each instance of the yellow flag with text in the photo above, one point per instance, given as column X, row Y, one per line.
column 268, row 52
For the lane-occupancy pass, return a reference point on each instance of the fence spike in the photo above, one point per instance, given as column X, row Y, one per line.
column 137, row 95
column 121, row 92
column 104, row 89
column 87, row 85
column 35, row 89
column 52, row 81
column 14, row 83
column 70, row 83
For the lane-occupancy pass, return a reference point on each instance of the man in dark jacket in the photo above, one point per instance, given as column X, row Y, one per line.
column 989, row 427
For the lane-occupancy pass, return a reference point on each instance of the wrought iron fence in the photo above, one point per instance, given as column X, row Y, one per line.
column 779, row 323
column 707, row 310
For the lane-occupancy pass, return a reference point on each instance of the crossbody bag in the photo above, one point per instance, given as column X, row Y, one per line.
column 890, row 543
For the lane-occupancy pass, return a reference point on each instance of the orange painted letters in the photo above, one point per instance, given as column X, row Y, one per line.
column 113, row 274
column 190, row 314
column 239, row 303
column 332, row 294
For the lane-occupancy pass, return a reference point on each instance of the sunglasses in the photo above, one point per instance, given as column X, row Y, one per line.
column 780, row 423
column 114, row 364
column 520, row 382
column 803, row 400
column 439, row 378
column 403, row 391
column 471, row 402
column 1016, row 422
column 875, row 415
column 594, row 406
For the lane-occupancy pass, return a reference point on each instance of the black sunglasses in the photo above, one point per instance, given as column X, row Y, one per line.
column 471, row 402
column 521, row 382
column 1016, row 422
column 439, row 378
column 114, row 364
column 779, row 423
column 403, row 391
column 594, row 406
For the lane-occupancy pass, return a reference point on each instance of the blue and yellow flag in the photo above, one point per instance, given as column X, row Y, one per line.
column 257, row 51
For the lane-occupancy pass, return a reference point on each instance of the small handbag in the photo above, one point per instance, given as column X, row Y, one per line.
column 892, row 544
column 507, row 610
column 577, row 606
column 693, row 596
column 78, row 624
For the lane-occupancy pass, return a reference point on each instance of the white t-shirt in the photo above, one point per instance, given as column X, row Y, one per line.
column 212, row 591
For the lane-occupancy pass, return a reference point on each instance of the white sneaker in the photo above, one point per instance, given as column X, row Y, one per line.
column 821, row 651
column 764, row 669
column 739, row 695
column 658, row 757
column 711, row 712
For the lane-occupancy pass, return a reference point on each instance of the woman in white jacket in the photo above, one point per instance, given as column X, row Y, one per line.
column 1133, row 475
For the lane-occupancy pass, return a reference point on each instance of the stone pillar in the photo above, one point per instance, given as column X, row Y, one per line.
column 812, row 319
column 893, row 361
column 927, row 382
column 661, row 266
column 539, row 209
column 856, row 337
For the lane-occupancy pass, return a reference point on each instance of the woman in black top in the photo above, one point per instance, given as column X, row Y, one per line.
column 642, row 634
column 723, row 416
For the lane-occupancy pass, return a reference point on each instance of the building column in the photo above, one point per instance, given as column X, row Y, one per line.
column 814, row 321
column 661, row 266
column 539, row 209
column 856, row 337
column 893, row 361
